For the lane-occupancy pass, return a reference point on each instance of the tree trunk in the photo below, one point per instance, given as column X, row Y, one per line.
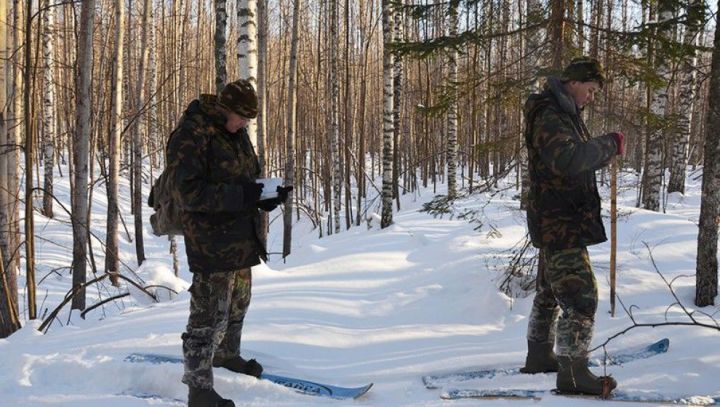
column 290, row 140
column 652, row 182
column 686, row 99
column 81, row 143
column 137, row 137
column 29, row 165
column 387, row 146
column 247, row 50
column 48, row 117
column 707, row 263
column 111, row 245
column 220, row 45
column 262, row 93
column 452, row 108
column 9, row 318
column 397, row 103
column 334, row 125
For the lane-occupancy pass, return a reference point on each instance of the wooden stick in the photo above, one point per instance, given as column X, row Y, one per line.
column 613, row 232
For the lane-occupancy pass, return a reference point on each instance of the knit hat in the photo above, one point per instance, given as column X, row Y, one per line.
column 584, row 69
column 240, row 97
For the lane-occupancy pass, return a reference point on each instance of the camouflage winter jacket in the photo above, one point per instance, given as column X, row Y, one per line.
column 220, row 227
column 563, row 201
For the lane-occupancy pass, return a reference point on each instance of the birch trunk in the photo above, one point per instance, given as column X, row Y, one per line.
column 397, row 104
column 262, row 102
column 679, row 147
column 451, row 156
column 290, row 140
column 81, row 144
column 48, row 117
column 654, row 160
column 220, row 45
column 114, row 147
column 706, row 284
column 247, row 50
column 334, row 125
column 388, row 131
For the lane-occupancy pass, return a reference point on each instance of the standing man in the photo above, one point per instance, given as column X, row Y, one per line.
column 215, row 183
column 563, row 218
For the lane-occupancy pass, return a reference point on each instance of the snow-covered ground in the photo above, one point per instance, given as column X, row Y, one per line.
column 366, row 305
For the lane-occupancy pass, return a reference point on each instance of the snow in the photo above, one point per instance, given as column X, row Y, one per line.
column 366, row 305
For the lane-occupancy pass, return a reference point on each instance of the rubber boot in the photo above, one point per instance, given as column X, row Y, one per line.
column 207, row 398
column 574, row 377
column 540, row 358
column 239, row 365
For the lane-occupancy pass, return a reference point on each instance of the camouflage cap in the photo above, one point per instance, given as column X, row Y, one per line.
column 584, row 69
column 240, row 97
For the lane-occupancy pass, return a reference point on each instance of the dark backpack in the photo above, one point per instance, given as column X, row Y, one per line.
column 167, row 217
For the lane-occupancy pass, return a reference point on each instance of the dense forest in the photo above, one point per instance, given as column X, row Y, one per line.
column 360, row 102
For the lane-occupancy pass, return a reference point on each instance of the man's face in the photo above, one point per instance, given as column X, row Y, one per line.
column 235, row 122
column 583, row 93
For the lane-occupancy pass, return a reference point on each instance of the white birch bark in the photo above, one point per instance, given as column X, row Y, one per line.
column 386, row 217
column 247, row 50
column 653, row 166
column 48, row 118
column 397, row 103
column 451, row 154
column 334, row 125
column 114, row 146
column 686, row 99
column 220, row 45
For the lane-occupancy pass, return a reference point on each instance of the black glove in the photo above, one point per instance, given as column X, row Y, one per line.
column 269, row 205
column 251, row 193
column 283, row 193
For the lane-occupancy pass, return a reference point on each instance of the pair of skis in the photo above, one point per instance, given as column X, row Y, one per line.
column 449, row 382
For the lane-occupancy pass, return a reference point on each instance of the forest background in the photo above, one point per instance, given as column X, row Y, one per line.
column 361, row 102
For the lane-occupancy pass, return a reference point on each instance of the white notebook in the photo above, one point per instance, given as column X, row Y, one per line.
column 269, row 187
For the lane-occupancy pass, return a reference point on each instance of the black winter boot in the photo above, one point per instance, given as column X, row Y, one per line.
column 540, row 358
column 239, row 365
column 207, row 398
column 575, row 377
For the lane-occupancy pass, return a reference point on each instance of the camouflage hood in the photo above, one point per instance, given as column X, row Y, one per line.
column 554, row 91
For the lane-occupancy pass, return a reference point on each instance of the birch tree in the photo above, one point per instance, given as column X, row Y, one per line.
column 261, row 121
column 398, row 34
column 686, row 99
column 114, row 146
column 334, row 102
column 387, row 148
column 291, row 122
column 452, row 108
column 48, row 116
column 652, row 182
column 706, row 283
column 81, row 141
column 220, row 45
column 247, row 50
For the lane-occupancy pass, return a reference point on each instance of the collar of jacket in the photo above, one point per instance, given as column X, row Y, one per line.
column 555, row 86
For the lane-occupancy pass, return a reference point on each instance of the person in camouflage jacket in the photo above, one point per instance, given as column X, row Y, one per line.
column 215, row 180
column 563, row 217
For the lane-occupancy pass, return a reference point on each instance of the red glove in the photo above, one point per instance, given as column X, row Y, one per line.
column 619, row 138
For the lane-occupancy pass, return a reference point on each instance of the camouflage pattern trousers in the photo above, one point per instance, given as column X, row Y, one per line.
column 218, row 304
column 565, row 282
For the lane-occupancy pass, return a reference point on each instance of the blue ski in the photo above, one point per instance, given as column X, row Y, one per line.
column 625, row 396
column 299, row 385
column 616, row 358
